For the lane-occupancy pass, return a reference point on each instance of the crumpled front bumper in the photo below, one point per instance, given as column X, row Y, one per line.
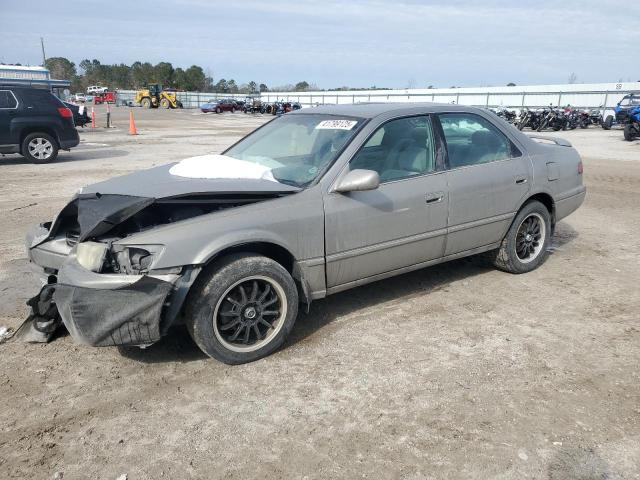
column 128, row 315
column 105, row 309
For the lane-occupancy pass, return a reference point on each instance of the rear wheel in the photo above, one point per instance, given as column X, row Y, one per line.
column 39, row 148
column 146, row 102
column 524, row 247
column 608, row 122
column 164, row 103
column 218, row 110
column 243, row 310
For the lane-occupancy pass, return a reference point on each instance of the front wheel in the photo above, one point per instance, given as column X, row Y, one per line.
column 524, row 247
column 39, row 148
column 242, row 310
column 146, row 103
column 164, row 103
column 629, row 132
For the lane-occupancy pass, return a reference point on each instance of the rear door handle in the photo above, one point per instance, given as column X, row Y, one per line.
column 520, row 180
column 431, row 198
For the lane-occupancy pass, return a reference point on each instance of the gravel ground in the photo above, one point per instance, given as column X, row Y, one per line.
column 455, row 371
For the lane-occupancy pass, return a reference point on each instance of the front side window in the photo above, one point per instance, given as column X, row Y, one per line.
column 7, row 100
column 473, row 140
column 399, row 149
column 297, row 148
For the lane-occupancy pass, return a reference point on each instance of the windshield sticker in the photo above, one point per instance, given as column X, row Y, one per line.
column 336, row 125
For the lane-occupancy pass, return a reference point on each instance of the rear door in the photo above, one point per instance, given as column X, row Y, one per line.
column 488, row 178
column 400, row 224
column 8, row 111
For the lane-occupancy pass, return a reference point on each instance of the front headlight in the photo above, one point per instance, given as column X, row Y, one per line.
column 91, row 255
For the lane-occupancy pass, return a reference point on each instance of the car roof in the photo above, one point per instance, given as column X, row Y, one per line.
column 371, row 110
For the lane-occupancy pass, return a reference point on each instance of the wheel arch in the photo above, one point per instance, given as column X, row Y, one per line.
column 40, row 129
column 270, row 249
column 547, row 200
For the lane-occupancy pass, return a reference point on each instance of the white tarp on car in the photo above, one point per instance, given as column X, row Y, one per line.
column 220, row 166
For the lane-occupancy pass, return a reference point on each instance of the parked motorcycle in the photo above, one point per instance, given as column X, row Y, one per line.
column 528, row 118
column 508, row 115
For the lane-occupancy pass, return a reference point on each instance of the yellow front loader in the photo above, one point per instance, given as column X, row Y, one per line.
column 154, row 97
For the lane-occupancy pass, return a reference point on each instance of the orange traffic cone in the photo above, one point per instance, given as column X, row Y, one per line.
column 132, row 124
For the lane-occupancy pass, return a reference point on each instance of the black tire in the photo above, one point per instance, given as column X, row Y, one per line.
column 233, row 110
column 218, row 110
column 213, row 288
column 146, row 103
column 629, row 132
column 45, row 148
column 608, row 122
column 506, row 257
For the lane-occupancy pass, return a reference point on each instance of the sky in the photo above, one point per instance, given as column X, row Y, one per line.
column 331, row 43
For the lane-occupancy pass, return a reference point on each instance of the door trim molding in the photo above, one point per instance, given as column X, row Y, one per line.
column 410, row 268
column 479, row 223
column 355, row 252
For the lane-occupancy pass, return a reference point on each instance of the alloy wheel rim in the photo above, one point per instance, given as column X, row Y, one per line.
column 40, row 148
column 530, row 238
column 250, row 314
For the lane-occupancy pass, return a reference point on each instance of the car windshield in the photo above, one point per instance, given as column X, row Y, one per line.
column 297, row 148
column 630, row 100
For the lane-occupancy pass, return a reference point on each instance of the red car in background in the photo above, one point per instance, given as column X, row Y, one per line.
column 220, row 105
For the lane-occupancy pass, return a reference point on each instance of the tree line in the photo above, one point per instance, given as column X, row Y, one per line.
column 140, row 74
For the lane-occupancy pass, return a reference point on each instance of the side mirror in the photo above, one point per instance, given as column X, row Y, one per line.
column 358, row 181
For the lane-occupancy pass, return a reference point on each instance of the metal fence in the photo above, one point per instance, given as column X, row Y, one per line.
column 584, row 99
column 588, row 99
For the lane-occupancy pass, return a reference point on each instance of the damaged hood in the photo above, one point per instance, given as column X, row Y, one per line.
column 99, row 207
column 203, row 174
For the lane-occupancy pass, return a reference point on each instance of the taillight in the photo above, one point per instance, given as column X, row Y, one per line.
column 580, row 167
column 65, row 112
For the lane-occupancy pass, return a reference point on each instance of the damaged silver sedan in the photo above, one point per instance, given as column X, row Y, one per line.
column 315, row 202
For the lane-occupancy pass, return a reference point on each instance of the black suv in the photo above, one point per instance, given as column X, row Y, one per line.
column 35, row 123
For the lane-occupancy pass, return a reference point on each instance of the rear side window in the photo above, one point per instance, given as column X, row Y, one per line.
column 40, row 99
column 7, row 100
column 472, row 140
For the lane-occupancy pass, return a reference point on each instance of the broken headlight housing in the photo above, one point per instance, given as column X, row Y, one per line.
column 133, row 259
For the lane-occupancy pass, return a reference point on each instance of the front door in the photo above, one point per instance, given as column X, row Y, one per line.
column 488, row 179
column 401, row 223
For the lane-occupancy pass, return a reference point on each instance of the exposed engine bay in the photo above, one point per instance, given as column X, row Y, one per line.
column 109, row 218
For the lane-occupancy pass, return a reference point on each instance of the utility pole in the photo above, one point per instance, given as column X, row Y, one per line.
column 44, row 57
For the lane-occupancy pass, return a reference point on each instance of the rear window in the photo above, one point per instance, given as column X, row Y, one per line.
column 7, row 100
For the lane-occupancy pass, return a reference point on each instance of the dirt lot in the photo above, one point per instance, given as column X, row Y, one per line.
column 457, row 371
